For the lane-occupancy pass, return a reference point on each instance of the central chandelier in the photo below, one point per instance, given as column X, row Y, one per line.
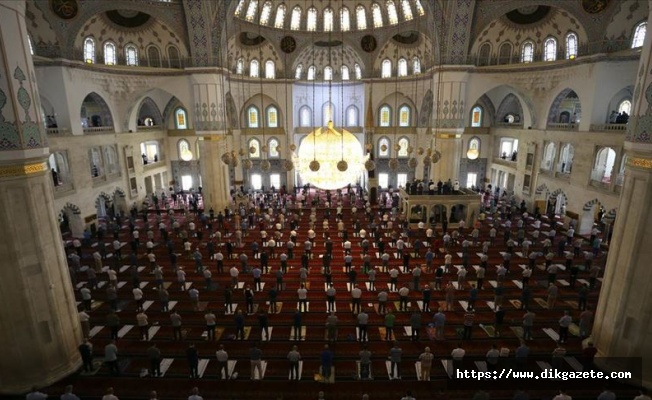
column 331, row 147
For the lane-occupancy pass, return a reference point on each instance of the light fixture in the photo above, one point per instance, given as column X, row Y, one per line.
column 472, row 153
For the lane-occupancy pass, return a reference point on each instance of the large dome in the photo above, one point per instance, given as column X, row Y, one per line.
column 329, row 146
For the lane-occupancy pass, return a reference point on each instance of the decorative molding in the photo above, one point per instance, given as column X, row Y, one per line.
column 638, row 162
column 23, row 170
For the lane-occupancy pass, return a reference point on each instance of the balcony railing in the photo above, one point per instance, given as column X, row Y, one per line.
column 518, row 125
column 153, row 165
column 609, row 127
column 98, row 130
column 58, row 131
column 563, row 126
column 150, row 128
column 63, row 189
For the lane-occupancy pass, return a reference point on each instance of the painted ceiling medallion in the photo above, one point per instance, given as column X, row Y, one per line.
column 594, row 6
column 288, row 44
column 368, row 43
column 65, row 9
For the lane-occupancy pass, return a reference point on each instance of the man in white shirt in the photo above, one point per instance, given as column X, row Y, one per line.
column 302, row 292
column 109, row 395
column 356, row 295
column 194, row 395
column 562, row 396
column 138, row 298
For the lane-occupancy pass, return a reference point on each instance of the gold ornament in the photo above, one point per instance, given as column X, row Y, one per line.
column 420, row 151
column 288, row 165
column 252, row 150
column 293, row 147
column 393, row 164
column 314, row 165
column 265, row 166
column 342, row 166
column 383, row 148
column 436, row 157
column 412, row 163
column 370, row 165
column 247, row 164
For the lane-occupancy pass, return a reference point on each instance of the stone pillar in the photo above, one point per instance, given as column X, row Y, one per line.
column 450, row 110
column 449, row 144
column 214, row 172
column 623, row 327
column 40, row 330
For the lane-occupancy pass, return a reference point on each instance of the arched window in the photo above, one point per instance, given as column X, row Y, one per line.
column 328, row 73
column 352, row 116
column 407, row 10
column 358, row 71
column 298, row 72
column 571, row 45
column 566, row 158
column 279, row 21
column 183, row 146
column 131, row 55
column 154, row 57
column 251, row 10
column 385, row 116
column 272, row 117
column 473, row 150
column 253, row 69
column 639, row 35
column 548, row 157
column 305, row 116
column 603, row 165
column 180, row 119
column 109, row 54
column 550, row 49
column 527, row 52
column 59, row 162
column 173, row 57
column 345, row 73
column 404, row 116
column 328, row 19
column 416, row 65
column 484, row 55
column 328, row 113
column 239, row 66
column 377, row 15
column 312, row 19
column 272, row 146
column 386, row 68
column 111, row 160
column 270, row 70
column 295, row 20
column 239, row 8
column 96, row 163
column 361, row 17
column 311, row 73
column 476, row 117
column 403, row 144
column 420, row 9
column 505, row 54
column 265, row 13
column 625, row 106
column 345, row 19
column 402, row 67
column 252, row 117
column 383, row 147
column 392, row 15
column 254, row 148
column 89, row 50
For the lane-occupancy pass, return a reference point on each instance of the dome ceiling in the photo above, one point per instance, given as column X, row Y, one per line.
column 328, row 15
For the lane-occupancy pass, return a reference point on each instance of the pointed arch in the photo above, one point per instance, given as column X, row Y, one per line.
column 95, row 111
column 511, row 105
column 149, row 109
column 560, row 105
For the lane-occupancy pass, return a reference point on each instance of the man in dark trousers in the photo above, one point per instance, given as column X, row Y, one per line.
column 86, row 351
column 193, row 361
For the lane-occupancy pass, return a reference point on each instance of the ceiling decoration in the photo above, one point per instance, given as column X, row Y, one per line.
column 128, row 18
column 368, row 43
column 407, row 37
column 594, row 6
column 251, row 39
column 288, row 44
column 528, row 14
column 332, row 43
column 65, row 9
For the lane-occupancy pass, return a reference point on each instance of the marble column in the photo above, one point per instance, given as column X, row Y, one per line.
column 214, row 172
column 449, row 144
column 450, row 110
column 623, row 327
column 39, row 326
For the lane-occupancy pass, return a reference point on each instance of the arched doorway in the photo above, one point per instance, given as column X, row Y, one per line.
column 587, row 219
column 458, row 213
column 120, row 201
column 438, row 214
column 70, row 220
column 104, row 206
column 418, row 213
